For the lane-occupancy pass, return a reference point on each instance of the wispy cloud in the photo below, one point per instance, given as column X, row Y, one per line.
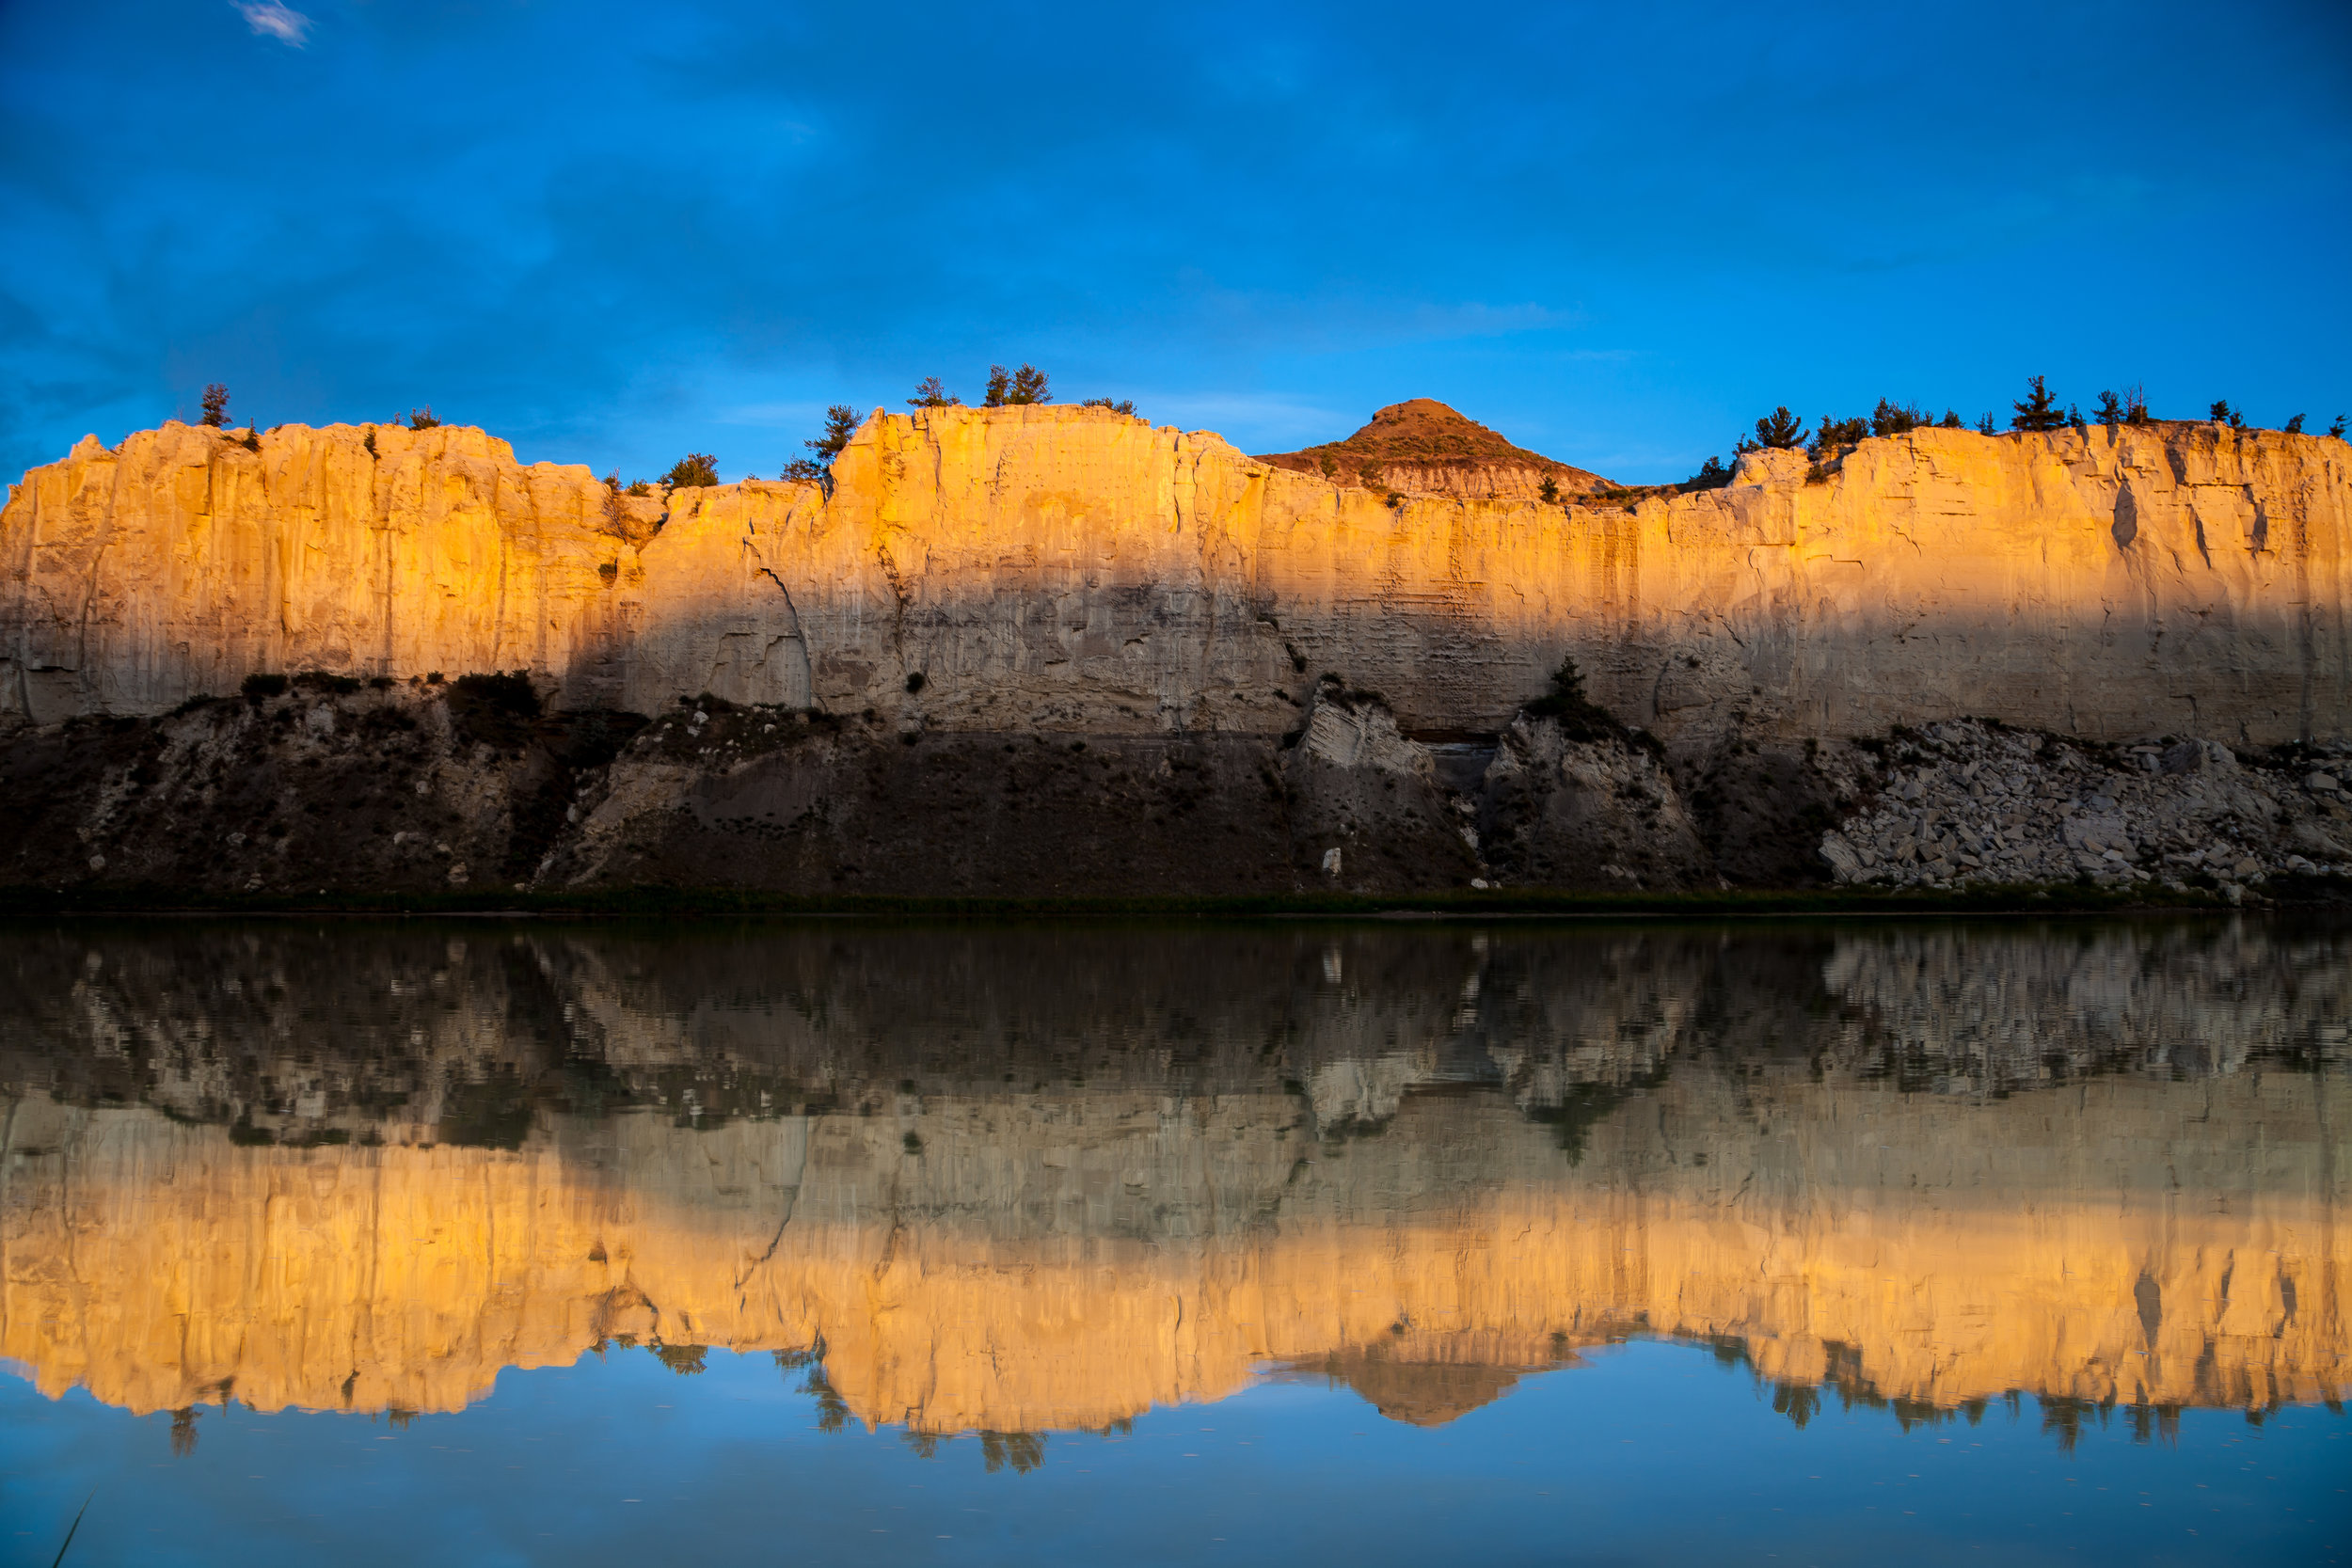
column 274, row 19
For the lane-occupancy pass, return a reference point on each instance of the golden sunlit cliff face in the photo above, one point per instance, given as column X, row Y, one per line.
column 1424, row 1167
column 1075, row 569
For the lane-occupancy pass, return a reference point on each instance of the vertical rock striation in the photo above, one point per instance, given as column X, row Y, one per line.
column 1073, row 569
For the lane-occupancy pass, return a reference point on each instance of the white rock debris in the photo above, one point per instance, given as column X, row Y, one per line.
column 1970, row 803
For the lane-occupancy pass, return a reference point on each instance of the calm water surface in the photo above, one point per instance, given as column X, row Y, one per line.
column 525, row 1242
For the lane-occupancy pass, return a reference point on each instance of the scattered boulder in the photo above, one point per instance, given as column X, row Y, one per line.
column 1367, row 809
column 1602, row 813
column 1977, row 802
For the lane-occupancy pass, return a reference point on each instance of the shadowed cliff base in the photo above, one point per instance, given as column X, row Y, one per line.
column 325, row 791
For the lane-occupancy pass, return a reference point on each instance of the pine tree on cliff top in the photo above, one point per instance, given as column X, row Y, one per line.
column 215, row 404
column 2040, row 411
column 840, row 424
column 1025, row 385
column 1779, row 430
column 1894, row 418
column 930, row 393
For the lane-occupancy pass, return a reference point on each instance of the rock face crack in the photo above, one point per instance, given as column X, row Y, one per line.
column 1453, row 606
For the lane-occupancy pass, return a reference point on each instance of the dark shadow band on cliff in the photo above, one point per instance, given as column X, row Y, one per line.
column 638, row 902
column 321, row 791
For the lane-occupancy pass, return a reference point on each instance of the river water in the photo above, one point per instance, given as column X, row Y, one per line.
column 526, row 1241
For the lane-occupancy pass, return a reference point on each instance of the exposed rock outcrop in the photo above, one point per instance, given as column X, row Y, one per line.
column 390, row 787
column 1049, row 650
column 1423, row 448
column 1074, row 570
column 1969, row 802
column 1563, row 812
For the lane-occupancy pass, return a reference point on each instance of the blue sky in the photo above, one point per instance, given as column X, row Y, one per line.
column 617, row 233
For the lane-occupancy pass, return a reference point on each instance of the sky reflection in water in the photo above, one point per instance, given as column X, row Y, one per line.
column 1652, row 1453
column 1262, row 1244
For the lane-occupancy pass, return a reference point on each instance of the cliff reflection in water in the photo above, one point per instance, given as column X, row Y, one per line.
column 1020, row 1181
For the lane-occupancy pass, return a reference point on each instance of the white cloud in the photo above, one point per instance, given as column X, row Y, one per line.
column 274, row 19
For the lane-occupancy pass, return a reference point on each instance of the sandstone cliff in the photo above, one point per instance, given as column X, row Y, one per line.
column 1044, row 650
column 1071, row 569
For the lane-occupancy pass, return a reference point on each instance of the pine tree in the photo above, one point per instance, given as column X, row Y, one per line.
column 2294, row 426
column 696, row 468
column 1025, row 385
column 215, row 404
column 2221, row 413
column 2110, row 410
column 1833, row 434
column 2039, row 411
column 1894, row 418
column 928, row 393
column 1779, row 430
column 841, row 422
column 1712, row 475
column 2336, row 429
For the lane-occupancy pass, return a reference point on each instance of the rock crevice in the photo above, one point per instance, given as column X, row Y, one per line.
column 1077, row 570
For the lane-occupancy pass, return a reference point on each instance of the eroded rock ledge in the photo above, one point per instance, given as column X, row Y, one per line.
column 1969, row 802
column 1076, row 570
column 1055, row 650
column 430, row 788
column 436, row 788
